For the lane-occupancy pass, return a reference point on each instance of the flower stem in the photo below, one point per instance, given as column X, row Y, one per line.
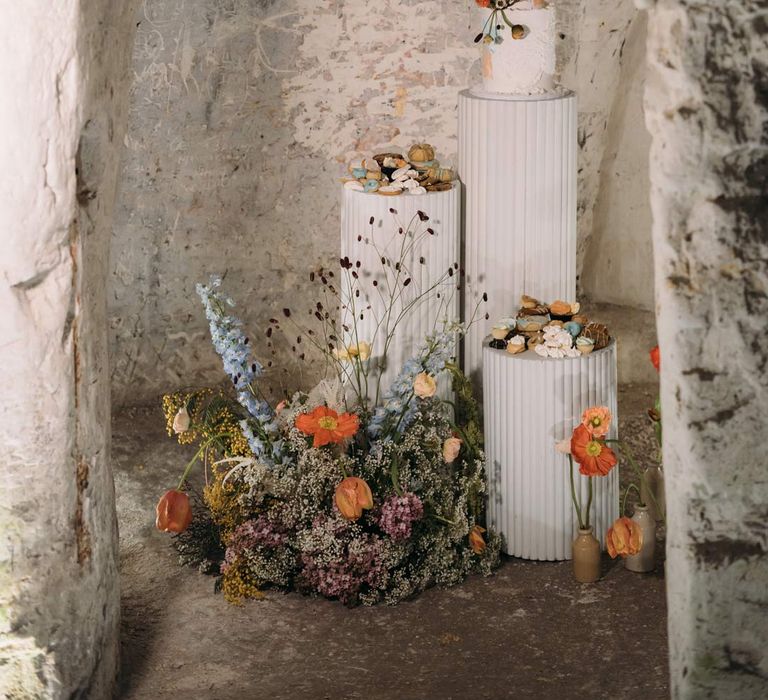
column 576, row 504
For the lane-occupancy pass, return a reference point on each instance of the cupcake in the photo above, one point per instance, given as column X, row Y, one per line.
column 516, row 345
column 585, row 345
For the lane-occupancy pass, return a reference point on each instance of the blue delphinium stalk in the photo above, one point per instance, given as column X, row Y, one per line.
column 400, row 406
column 232, row 345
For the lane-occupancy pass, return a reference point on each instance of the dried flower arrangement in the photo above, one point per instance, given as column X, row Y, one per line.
column 349, row 490
column 557, row 330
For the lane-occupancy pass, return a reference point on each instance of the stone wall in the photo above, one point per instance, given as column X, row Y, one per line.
column 241, row 115
column 707, row 109
column 65, row 66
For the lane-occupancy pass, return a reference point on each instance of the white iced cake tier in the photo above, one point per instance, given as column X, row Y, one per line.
column 519, row 59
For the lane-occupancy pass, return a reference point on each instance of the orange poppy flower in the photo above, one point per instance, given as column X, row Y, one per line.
column 352, row 496
column 174, row 513
column 327, row 426
column 656, row 358
column 624, row 539
column 476, row 540
column 595, row 458
column 597, row 420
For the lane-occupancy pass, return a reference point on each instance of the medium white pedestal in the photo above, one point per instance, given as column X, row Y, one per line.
column 383, row 238
column 517, row 162
column 530, row 403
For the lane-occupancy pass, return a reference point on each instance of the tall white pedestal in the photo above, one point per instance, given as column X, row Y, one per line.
column 424, row 264
column 529, row 404
column 517, row 162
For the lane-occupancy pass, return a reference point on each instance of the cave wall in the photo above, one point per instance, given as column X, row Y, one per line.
column 707, row 110
column 66, row 66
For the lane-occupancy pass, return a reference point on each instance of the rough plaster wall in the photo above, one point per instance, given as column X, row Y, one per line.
column 618, row 262
column 59, row 599
column 707, row 109
column 240, row 115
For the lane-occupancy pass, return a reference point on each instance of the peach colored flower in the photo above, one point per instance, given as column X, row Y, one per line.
column 174, row 513
column 476, row 540
column 597, row 420
column 563, row 446
column 451, row 449
column 424, row 386
column 624, row 538
column 280, row 407
column 341, row 354
column 595, row 458
column 361, row 350
column 181, row 421
column 327, row 426
column 352, row 496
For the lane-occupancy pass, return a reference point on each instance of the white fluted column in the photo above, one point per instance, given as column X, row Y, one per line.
column 425, row 262
column 529, row 404
column 517, row 162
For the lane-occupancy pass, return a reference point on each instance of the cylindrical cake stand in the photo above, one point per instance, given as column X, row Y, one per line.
column 425, row 263
column 517, row 163
column 531, row 403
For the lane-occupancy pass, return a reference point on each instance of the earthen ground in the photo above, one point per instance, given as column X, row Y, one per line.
column 530, row 631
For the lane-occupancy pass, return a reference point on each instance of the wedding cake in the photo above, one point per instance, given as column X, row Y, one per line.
column 518, row 47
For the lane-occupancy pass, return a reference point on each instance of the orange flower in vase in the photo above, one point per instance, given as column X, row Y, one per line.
column 174, row 513
column 327, row 426
column 597, row 420
column 353, row 496
column 594, row 457
column 624, row 539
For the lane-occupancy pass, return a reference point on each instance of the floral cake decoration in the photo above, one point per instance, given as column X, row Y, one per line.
column 555, row 330
column 498, row 23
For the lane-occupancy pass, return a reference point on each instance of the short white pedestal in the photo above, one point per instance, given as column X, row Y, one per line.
column 517, row 162
column 424, row 265
column 530, row 403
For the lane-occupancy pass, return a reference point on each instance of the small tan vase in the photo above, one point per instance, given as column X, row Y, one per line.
column 653, row 485
column 644, row 560
column 586, row 557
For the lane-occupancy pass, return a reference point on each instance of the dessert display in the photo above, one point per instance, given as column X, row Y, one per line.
column 392, row 174
column 518, row 46
column 557, row 330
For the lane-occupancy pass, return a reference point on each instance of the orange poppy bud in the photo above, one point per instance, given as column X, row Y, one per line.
column 476, row 540
column 174, row 512
column 624, row 539
column 352, row 496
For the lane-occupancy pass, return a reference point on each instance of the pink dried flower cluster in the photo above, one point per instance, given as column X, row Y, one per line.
column 252, row 534
column 344, row 578
column 398, row 513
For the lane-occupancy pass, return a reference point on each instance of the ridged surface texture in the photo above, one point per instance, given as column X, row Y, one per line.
column 530, row 403
column 439, row 251
column 517, row 162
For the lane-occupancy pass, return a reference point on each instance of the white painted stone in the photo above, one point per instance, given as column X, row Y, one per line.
column 707, row 109
column 59, row 601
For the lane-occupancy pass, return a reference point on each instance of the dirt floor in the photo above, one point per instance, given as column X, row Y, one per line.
column 530, row 631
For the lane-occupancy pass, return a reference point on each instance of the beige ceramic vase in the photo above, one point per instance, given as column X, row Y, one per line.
column 653, row 485
column 586, row 557
column 644, row 560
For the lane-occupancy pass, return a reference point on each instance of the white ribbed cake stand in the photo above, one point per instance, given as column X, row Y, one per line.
column 530, row 403
column 517, row 162
column 439, row 252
